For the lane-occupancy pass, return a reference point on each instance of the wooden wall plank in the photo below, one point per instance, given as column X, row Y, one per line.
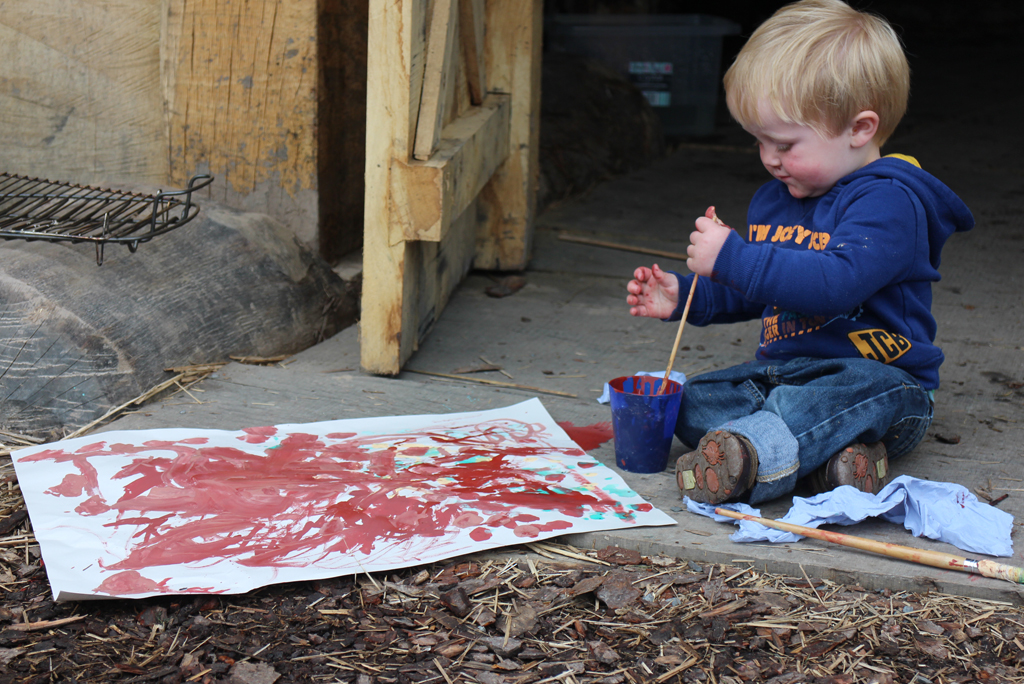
column 513, row 58
column 240, row 83
column 440, row 267
column 80, row 92
column 149, row 92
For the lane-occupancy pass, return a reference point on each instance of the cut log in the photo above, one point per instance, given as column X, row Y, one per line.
column 77, row 339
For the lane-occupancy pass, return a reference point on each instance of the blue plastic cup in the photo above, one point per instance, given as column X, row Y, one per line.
column 643, row 421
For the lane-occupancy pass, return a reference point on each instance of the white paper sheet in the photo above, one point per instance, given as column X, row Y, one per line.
column 172, row 511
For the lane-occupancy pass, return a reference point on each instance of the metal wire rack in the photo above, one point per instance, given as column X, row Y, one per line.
column 37, row 209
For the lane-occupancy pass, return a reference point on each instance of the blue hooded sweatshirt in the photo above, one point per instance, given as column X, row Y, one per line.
column 844, row 275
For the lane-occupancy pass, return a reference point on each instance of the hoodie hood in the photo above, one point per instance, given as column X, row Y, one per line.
column 945, row 212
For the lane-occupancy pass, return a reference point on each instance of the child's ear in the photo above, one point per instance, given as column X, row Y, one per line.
column 863, row 128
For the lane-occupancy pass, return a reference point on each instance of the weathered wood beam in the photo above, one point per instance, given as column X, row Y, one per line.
column 437, row 77
column 395, row 68
column 471, row 30
column 426, row 196
column 508, row 202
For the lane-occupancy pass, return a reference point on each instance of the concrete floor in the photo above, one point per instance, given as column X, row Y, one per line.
column 568, row 330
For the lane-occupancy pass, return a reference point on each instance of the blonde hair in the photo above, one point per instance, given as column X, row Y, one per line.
column 818, row 63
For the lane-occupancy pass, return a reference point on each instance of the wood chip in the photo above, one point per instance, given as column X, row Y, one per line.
column 43, row 624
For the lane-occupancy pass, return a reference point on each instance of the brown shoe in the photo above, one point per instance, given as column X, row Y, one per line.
column 723, row 466
column 862, row 466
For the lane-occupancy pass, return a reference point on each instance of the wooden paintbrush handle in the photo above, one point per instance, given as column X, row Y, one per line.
column 938, row 559
column 686, row 311
column 679, row 335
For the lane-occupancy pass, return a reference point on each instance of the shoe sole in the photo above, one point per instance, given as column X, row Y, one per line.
column 715, row 471
column 866, row 468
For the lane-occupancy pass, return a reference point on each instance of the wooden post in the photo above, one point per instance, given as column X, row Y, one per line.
column 435, row 159
column 513, row 56
column 394, row 81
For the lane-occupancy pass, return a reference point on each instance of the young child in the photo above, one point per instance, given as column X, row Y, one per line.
column 838, row 257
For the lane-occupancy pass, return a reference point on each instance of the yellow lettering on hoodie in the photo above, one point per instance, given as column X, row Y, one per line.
column 880, row 345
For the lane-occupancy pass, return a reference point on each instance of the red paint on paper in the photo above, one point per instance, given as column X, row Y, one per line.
column 588, row 436
column 533, row 531
column 305, row 497
column 258, row 435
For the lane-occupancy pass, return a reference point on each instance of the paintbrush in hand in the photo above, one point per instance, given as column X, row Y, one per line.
column 686, row 311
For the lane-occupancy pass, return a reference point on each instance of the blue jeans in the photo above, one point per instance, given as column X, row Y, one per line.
column 799, row 413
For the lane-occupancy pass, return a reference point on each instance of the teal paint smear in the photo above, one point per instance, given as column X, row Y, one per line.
column 622, row 492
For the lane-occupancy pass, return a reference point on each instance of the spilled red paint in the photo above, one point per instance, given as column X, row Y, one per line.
column 305, row 497
column 588, row 436
column 130, row 582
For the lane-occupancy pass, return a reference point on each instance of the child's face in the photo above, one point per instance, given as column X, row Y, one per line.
column 807, row 163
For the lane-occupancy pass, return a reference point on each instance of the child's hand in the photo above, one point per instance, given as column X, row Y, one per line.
column 706, row 242
column 652, row 292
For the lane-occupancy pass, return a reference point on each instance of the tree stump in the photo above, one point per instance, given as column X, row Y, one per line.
column 77, row 339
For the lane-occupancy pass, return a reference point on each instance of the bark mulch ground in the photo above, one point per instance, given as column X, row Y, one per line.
column 555, row 614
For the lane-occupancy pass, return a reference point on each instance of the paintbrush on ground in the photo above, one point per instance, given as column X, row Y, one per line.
column 937, row 559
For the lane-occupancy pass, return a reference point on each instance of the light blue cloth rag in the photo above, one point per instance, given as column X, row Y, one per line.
column 943, row 511
column 606, row 396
